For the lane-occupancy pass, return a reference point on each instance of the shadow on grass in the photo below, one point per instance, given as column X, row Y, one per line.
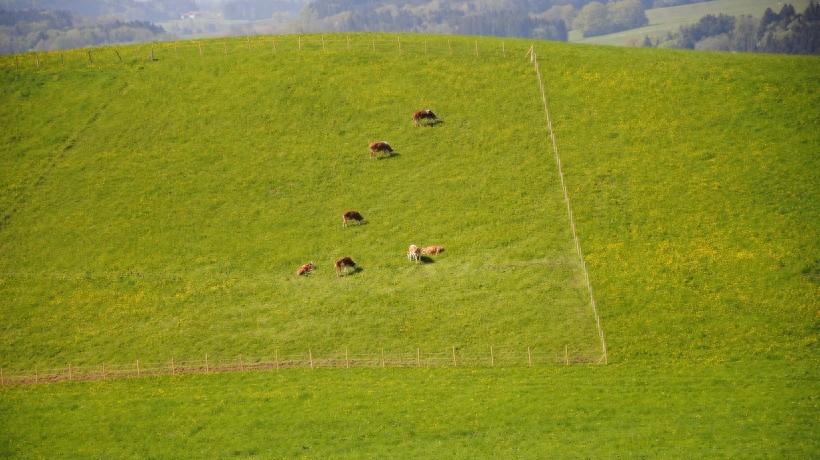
column 388, row 157
column 352, row 271
column 427, row 260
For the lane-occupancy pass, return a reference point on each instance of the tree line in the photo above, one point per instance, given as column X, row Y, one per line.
column 23, row 30
column 783, row 32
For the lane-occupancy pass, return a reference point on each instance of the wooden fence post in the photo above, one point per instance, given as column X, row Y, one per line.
column 300, row 43
column 398, row 40
column 2, row 379
column 449, row 47
column 118, row 55
column 382, row 356
column 207, row 369
column 476, row 47
column 248, row 37
column 492, row 357
column 37, row 60
column 273, row 44
column 69, row 372
column 152, row 53
column 276, row 358
column 103, row 371
column 35, row 375
column 16, row 62
column 173, row 367
column 241, row 366
column 454, row 357
column 373, row 42
column 225, row 48
column 62, row 58
column 566, row 355
column 310, row 354
column 347, row 359
column 348, row 42
column 138, row 368
column 503, row 50
column 323, row 43
column 90, row 60
column 529, row 357
column 199, row 45
column 418, row 357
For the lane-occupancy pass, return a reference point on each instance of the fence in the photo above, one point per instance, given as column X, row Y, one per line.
column 267, row 44
column 492, row 357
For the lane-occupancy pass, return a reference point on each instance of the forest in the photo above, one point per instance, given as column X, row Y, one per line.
column 784, row 32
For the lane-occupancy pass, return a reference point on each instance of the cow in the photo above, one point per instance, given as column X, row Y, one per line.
column 305, row 269
column 425, row 114
column 432, row 250
column 414, row 253
column 350, row 216
column 343, row 263
column 380, row 146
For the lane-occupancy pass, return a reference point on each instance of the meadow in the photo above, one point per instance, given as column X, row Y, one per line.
column 169, row 219
column 693, row 179
column 670, row 19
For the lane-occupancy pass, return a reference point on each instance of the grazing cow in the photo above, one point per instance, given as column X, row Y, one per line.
column 343, row 263
column 414, row 253
column 351, row 215
column 305, row 269
column 380, row 146
column 432, row 250
column 425, row 114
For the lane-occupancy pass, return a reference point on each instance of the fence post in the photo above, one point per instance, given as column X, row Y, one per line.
column 323, row 43
column 300, row 43
column 373, row 42
column 476, row 47
column 248, row 37
column 69, row 372
column 449, row 47
column 90, row 60
column 382, row 356
column 348, row 42
column 62, row 58
column 273, row 44
column 173, row 367
column 118, row 54
column 398, row 40
column 152, row 53
column 103, row 371
column 35, row 375
column 241, row 366
column 2, row 379
column 503, row 50
column 566, row 355
column 310, row 354
column 418, row 357
column 225, row 48
column 199, row 45
column 454, row 357
column 37, row 60
column 492, row 357
column 425, row 46
column 529, row 357
column 276, row 358
column 138, row 368
column 347, row 359
column 206, row 363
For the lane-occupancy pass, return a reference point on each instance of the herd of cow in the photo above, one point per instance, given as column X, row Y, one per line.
column 414, row 253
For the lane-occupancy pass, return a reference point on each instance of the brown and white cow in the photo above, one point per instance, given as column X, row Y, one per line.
column 380, row 146
column 432, row 250
column 425, row 114
column 352, row 216
column 414, row 253
column 305, row 269
column 342, row 264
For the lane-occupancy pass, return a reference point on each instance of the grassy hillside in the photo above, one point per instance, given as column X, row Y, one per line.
column 174, row 210
column 670, row 19
column 694, row 185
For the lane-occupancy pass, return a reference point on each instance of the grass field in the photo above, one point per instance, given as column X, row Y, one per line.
column 670, row 19
column 178, row 209
column 694, row 184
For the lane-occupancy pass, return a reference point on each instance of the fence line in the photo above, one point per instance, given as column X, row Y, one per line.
column 418, row 358
column 534, row 60
column 264, row 44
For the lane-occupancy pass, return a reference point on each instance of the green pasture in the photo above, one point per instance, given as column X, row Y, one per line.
column 670, row 19
column 611, row 411
column 163, row 207
column 162, row 211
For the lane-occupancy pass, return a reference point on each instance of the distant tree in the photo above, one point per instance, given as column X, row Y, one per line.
column 597, row 18
column 592, row 19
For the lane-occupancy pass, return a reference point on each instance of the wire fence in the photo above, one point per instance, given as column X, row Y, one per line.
column 266, row 45
column 452, row 358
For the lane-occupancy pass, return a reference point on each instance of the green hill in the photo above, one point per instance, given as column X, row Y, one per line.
column 158, row 209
